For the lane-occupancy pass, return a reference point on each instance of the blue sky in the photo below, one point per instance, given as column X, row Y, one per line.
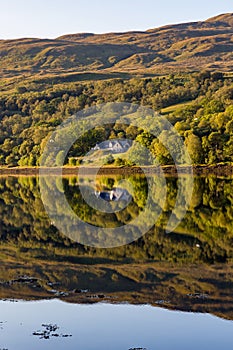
column 51, row 18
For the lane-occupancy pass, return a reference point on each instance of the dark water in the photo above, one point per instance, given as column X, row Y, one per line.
column 96, row 294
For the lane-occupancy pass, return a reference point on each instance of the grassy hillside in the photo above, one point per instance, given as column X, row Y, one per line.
column 184, row 47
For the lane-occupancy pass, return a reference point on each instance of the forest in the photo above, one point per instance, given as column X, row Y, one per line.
column 199, row 105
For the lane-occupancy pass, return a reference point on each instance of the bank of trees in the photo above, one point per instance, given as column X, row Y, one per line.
column 204, row 118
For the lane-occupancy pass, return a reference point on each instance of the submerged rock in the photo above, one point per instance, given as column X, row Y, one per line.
column 50, row 331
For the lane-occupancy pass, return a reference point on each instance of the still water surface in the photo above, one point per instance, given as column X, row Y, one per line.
column 115, row 327
column 189, row 270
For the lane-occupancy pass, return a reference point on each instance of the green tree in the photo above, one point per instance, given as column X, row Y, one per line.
column 194, row 148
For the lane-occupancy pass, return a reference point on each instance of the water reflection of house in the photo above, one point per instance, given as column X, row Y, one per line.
column 116, row 194
column 116, row 146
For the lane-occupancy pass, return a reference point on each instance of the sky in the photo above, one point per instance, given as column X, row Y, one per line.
column 52, row 18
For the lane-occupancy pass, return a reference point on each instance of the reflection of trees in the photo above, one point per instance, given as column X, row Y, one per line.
column 205, row 234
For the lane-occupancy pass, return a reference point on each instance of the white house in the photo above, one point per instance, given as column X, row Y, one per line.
column 116, row 146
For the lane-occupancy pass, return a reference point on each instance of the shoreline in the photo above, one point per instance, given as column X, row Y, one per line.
column 198, row 170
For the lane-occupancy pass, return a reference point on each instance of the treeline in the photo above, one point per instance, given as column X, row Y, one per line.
column 204, row 118
column 204, row 235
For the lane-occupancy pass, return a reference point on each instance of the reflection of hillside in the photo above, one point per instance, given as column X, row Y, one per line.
column 190, row 269
column 189, row 288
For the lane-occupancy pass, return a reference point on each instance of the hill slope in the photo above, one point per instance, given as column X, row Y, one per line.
column 173, row 48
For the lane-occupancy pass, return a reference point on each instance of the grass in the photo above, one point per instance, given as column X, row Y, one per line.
column 173, row 108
